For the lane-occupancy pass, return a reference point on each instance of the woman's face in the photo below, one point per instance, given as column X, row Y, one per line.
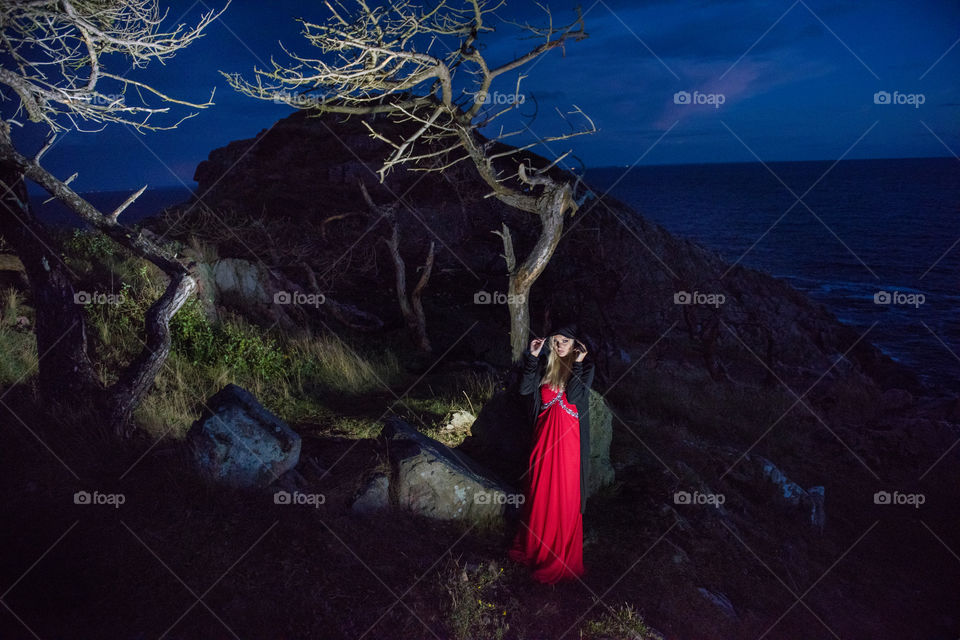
column 561, row 344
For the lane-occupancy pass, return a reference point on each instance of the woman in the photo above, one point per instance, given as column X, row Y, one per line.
column 550, row 539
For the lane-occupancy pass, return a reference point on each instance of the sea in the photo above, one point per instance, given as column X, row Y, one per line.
column 876, row 241
column 150, row 202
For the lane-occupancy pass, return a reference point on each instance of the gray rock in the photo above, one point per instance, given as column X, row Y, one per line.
column 375, row 495
column 251, row 287
column 788, row 490
column 460, row 421
column 810, row 501
column 237, row 442
column 241, row 282
column 720, row 600
column 206, row 290
column 601, row 435
column 435, row 481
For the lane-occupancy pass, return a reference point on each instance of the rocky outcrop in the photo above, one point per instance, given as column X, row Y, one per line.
column 619, row 273
column 432, row 480
column 301, row 177
column 238, row 443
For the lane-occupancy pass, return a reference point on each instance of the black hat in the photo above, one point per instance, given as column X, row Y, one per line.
column 569, row 330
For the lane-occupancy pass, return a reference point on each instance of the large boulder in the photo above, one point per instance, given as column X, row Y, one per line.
column 241, row 282
column 501, row 438
column 237, row 442
column 430, row 479
column 374, row 496
column 255, row 290
column 601, row 435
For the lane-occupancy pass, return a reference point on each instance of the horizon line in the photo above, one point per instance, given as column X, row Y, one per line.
column 34, row 190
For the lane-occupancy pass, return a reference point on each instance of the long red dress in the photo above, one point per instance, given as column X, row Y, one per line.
column 550, row 538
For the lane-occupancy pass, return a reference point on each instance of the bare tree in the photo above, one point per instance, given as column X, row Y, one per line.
column 383, row 60
column 52, row 57
column 411, row 307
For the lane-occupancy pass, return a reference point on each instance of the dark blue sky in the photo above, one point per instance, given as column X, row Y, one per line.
column 797, row 81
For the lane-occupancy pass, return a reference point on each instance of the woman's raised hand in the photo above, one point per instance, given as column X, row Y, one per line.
column 581, row 350
column 535, row 346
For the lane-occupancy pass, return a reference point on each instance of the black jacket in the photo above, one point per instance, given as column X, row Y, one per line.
column 578, row 393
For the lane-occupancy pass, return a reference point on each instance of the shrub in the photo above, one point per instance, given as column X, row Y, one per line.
column 236, row 345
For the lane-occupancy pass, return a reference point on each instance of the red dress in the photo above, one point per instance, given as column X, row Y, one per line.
column 550, row 538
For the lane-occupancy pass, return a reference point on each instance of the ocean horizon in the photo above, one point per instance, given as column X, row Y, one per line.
column 873, row 240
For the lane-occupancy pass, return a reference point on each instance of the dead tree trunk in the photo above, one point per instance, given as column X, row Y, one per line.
column 553, row 205
column 412, row 308
column 65, row 369
column 64, row 362
column 136, row 380
column 375, row 74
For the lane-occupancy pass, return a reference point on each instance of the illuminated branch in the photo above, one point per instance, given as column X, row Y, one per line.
column 378, row 60
column 389, row 60
column 57, row 49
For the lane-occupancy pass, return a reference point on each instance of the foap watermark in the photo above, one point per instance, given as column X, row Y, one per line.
column 297, row 297
column 696, row 97
column 97, row 297
column 497, row 297
column 312, row 499
column 911, row 499
column 101, row 99
column 899, row 297
column 913, row 99
column 298, row 99
column 499, row 97
column 698, row 297
column 687, row 497
column 498, row 497
column 111, row 499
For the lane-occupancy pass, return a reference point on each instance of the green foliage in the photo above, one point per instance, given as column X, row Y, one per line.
column 18, row 348
column 244, row 348
column 622, row 624
column 89, row 245
column 239, row 346
column 192, row 335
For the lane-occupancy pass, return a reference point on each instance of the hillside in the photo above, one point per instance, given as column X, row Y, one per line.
column 754, row 399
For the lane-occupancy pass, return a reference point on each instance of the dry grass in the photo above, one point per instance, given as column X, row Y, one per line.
column 18, row 347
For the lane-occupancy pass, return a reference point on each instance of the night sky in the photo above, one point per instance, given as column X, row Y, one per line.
column 797, row 81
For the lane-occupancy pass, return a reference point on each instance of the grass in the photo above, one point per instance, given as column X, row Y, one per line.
column 322, row 380
column 480, row 606
column 18, row 346
column 320, row 560
column 329, row 362
column 623, row 624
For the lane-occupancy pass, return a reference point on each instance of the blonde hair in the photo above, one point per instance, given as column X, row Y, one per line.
column 558, row 368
